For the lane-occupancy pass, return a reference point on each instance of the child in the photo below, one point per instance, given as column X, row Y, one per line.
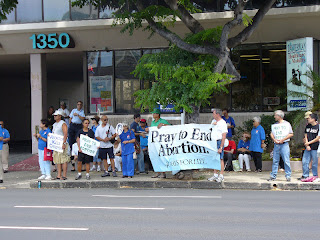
column 42, row 143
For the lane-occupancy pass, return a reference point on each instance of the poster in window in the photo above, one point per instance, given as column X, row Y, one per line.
column 101, row 97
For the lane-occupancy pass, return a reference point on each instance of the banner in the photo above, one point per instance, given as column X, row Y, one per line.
column 299, row 59
column 88, row 145
column 55, row 142
column 182, row 147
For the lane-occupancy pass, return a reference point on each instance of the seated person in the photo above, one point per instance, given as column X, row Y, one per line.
column 229, row 155
column 244, row 153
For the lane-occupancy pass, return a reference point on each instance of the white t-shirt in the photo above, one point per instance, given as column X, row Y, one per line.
column 103, row 132
column 75, row 149
column 281, row 130
column 65, row 111
column 221, row 127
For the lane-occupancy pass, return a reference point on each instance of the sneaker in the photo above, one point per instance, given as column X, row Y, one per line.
column 271, row 179
column 106, row 174
column 248, row 170
column 213, row 178
column 98, row 169
column 88, row 177
column 301, row 178
column 114, row 174
column 220, row 178
column 93, row 168
column 48, row 177
column 308, row 179
column 42, row 177
column 288, row 179
column 78, row 177
column 317, row 180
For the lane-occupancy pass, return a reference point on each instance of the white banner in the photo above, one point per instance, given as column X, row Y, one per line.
column 181, row 147
column 88, row 145
column 55, row 142
column 299, row 59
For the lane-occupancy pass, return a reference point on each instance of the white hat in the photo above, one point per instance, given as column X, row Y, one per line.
column 58, row 112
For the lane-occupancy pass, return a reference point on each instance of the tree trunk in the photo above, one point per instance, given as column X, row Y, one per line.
column 193, row 117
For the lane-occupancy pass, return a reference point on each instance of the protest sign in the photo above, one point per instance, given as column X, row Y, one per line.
column 55, row 142
column 182, row 147
column 88, row 145
column 280, row 130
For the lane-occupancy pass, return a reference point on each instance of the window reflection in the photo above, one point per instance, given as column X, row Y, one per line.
column 56, row 10
column 11, row 18
column 86, row 12
column 29, row 11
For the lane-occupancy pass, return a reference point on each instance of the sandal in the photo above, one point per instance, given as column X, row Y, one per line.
column 54, row 170
column 57, row 178
column 64, row 178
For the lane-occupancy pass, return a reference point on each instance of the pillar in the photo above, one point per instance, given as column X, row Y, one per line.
column 38, row 81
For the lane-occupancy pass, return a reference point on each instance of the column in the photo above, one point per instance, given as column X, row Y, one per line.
column 38, row 82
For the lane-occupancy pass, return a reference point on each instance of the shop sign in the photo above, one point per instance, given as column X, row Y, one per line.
column 299, row 60
column 52, row 41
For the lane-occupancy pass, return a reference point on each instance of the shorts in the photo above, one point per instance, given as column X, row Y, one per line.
column 84, row 158
column 103, row 152
column 218, row 146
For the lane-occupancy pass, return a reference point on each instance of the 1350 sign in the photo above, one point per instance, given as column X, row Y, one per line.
column 52, row 41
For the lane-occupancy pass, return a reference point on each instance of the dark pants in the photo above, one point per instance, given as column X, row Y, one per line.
column 147, row 162
column 228, row 157
column 72, row 133
column 257, row 158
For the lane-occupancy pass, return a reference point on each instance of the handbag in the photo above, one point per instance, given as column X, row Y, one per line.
column 137, row 147
column 48, row 155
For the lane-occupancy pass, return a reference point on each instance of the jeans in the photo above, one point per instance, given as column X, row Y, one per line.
column 218, row 146
column 139, row 161
column 307, row 155
column 1, row 171
column 96, row 158
column 284, row 151
column 44, row 165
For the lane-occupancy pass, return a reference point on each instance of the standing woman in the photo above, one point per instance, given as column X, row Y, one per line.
column 42, row 143
column 61, row 159
column 96, row 159
column 258, row 136
column 84, row 158
column 127, row 149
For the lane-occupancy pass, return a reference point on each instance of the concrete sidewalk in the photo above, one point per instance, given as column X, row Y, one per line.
column 233, row 180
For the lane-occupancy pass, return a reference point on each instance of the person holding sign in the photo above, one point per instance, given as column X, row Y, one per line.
column 281, row 132
column 127, row 138
column 42, row 143
column 84, row 158
column 61, row 159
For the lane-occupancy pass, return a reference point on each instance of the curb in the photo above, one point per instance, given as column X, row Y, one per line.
column 176, row 184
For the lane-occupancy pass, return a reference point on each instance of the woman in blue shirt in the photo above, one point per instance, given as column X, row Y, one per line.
column 258, row 136
column 42, row 143
column 127, row 149
column 244, row 153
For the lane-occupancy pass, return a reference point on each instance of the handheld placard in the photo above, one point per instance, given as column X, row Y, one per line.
column 119, row 128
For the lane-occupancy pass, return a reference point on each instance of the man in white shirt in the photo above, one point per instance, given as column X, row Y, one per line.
column 222, row 130
column 105, row 133
column 66, row 113
column 281, row 132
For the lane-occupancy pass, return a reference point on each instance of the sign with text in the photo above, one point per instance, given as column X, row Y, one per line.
column 101, row 97
column 182, row 147
column 52, row 41
column 88, row 145
column 299, row 60
column 280, row 131
column 55, row 142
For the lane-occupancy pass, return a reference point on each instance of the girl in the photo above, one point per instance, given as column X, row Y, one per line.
column 42, row 143
column 127, row 149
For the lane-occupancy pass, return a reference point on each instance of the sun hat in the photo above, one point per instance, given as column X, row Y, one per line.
column 58, row 112
column 156, row 111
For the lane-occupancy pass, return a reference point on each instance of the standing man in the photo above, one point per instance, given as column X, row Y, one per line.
column 158, row 122
column 1, row 143
column 311, row 142
column 140, row 156
column 63, row 107
column 222, row 131
column 5, row 148
column 105, row 133
column 230, row 123
column 281, row 132
column 258, row 137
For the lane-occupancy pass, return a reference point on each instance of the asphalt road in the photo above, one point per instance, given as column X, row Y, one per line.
column 158, row 214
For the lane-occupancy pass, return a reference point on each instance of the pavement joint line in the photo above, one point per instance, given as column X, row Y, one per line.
column 79, row 207
column 121, row 196
column 43, row 228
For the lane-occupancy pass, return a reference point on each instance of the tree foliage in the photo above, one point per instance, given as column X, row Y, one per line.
column 7, row 6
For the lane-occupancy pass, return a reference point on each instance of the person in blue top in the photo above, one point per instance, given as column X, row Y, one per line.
column 96, row 159
column 230, row 123
column 5, row 148
column 244, row 153
column 127, row 138
column 42, row 143
column 258, row 136
column 144, row 130
column 1, row 143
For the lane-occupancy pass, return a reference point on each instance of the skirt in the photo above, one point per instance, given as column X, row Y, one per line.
column 60, row 158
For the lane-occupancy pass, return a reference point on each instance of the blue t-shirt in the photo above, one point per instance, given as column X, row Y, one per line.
column 1, row 135
column 143, row 140
column 257, row 135
column 128, row 148
column 43, row 133
column 94, row 128
column 76, row 119
column 135, row 126
column 243, row 144
column 230, row 120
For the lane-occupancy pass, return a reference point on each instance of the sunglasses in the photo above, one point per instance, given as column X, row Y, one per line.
column 105, row 120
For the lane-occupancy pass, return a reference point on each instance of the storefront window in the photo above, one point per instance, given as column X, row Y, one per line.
column 29, row 11
column 100, row 78
column 86, row 12
column 56, row 10
column 126, row 83
column 107, row 12
column 11, row 18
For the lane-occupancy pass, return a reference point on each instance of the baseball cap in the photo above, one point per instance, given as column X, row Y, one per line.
column 58, row 112
column 307, row 114
column 143, row 120
column 156, row 111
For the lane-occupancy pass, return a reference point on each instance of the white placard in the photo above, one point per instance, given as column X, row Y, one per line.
column 55, row 142
column 88, row 145
column 119, row 128
column 280, row 130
